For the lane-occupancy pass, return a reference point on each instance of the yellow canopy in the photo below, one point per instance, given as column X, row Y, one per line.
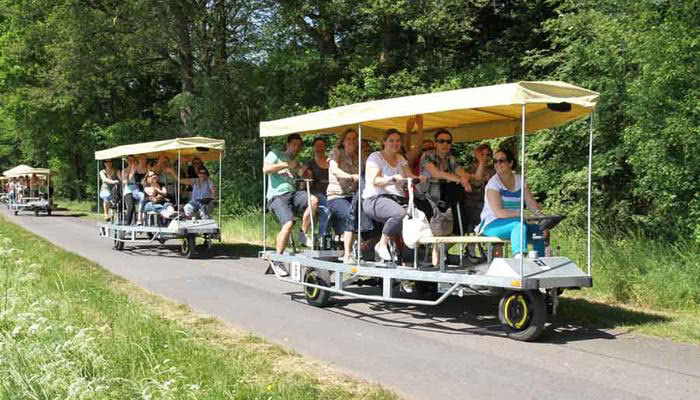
column 205, row 148
column 470, row 114
column 22, row 170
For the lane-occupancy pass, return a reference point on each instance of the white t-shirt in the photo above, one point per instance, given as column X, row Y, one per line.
column 510, row 199
column 377, row 161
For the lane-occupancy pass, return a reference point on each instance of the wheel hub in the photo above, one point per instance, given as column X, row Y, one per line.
column 516, row 311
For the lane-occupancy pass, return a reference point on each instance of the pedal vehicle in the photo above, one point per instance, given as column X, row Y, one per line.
column 35, row 200
column 156, row 228
column 529, row 288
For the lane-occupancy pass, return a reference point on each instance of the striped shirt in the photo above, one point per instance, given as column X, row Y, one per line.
column 510, row 199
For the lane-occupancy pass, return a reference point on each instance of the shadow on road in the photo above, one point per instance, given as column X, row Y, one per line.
column 171, row 248
column 577, row 319
column 71, row 215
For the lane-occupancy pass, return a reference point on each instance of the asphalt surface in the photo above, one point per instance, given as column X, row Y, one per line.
column 455, row 350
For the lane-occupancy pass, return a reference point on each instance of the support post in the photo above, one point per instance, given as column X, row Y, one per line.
column 590, row 187
column 221, row 171
column 177, row 187
column 522, row 194
column 359, row 194
column 264, row 201
column 97, row 190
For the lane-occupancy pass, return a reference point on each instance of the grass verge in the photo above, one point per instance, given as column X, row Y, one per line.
column 69, row 329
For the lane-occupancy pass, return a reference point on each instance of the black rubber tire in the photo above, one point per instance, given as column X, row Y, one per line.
column 427, row 290
column 36, row 212
column 16, row 212
column 523, row 314
column 118, row 244
column 314, row 296
column 48, row 212
column 188, row 246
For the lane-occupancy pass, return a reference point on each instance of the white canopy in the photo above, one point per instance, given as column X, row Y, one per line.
column 205, row 148
column 22, row 170
column 470, row 114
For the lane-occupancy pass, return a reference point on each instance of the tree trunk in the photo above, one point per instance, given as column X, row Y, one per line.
column 183, row 26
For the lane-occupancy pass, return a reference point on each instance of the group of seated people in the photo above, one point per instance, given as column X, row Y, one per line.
column 145, row 187
column 488, row 194
column 18, row 188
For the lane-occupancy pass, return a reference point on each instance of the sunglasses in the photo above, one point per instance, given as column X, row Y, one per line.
column 500, row 160
column 448, row 141
column 201, row 173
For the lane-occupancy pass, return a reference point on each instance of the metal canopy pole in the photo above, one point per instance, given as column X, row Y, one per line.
column 590, row 184
column 264, row 176
column 123, row 191
column 96, row 187
column 220, row 172
column 359, row 199
column 177, row 186
column 522, row 195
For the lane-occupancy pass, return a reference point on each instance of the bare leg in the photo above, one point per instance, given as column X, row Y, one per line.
column 306, row 221
column 283, row 237
column 106, row 208
column 347, row 245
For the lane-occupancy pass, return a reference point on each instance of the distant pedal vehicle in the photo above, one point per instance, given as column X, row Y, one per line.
column 159, row 227
column 34, row 197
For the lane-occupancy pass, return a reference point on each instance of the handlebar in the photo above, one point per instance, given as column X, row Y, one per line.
column 545, row 222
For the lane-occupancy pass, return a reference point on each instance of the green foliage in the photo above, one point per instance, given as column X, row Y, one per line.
column 76, row 77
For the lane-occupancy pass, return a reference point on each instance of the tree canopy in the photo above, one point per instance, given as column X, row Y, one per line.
column 81, row 75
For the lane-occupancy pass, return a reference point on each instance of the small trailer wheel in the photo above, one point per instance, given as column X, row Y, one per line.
column 48, row 212
column 523, row 314
column 118, row 244
column 188, row 246
column 427, row 290
column 36, row 212
column 315, row 296
column 16, row 212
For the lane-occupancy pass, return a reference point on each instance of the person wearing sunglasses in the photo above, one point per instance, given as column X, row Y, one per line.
column 203, row 192
column 157, row 196
column 500, row 216
column 439, row 163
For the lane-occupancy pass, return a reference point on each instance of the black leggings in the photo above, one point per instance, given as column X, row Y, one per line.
column 129, row 202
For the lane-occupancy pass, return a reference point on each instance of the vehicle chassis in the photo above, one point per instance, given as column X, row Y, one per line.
column 187, row 230
column 31, row 204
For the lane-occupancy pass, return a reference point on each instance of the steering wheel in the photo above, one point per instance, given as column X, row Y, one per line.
column 545, row 222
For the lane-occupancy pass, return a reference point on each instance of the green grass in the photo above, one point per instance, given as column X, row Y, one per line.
column 645, row 285
column 69, row 329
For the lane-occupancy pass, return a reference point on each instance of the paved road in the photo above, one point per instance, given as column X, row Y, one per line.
column 452, row 351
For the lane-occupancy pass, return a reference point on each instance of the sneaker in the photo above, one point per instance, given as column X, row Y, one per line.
column 382, row 252
column 305, row 240
column 280, row 268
